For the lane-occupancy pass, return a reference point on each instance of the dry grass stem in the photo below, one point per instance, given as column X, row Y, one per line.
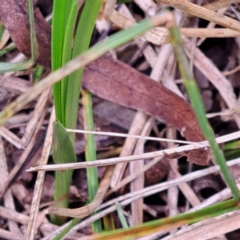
column 11, row 137
column 8, row 198
column 160, row 35
column 114, row 134
column 215, row 76
column 23, row 219
column 37, row 113
column 138, row 183
column 137, row 124
column 40, row 179
column 111, row 161
column 128, row 198
column 148, row 51
column 4, row 39
column 15, row 84
column 90, row 208
column 211, row 26
column 204, row 13
column 220, row 4
column 227, row 73
column 173, row 192
column 209, row 228
column 23, row 157
column 8, row 235
column 147, row 6
column 133, row 176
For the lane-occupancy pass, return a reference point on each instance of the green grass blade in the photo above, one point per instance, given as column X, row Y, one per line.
column 70, row 87
column 33, row 37
column 61, row 38
column 12, row 67
column 85, row 28
column 69, row 90
column 67, row 229
column 60, row 13
column 196, row 101
column 121, row 216
column 1, row 30
column 67, row 53
column 7, row 49
column 166, row 224
column 90, row 153
column 63, row 151
column 90, row 143
column 123, row 1
column 38, row 72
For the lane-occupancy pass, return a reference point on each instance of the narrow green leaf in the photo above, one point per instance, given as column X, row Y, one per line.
column 33, row 37
column 90, row 152
column 121, row 216
column 61, row 43
column 168, row 223
column 38, row 73
column 67, row 53
column 67, row 229
column 85, row 28
column 61, row 10
column 7, row 49
column 13, row 67
column 63, row 152
column 123, row 1
column 1, row 30
column 195, row 97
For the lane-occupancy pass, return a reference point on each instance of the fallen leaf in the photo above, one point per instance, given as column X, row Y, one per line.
column 115, row 81
column 13, row 14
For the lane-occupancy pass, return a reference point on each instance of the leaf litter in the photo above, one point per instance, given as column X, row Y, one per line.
column 112, row 80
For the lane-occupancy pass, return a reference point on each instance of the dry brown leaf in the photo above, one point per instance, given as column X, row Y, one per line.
column 13, row 14
column 137, row 91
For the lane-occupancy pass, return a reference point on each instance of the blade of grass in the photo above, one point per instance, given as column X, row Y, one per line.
column 12, row 67
column 61, row 10
column 85, row 28
column 33, row 37
column 67, row 54
column 195, row 97
column 66, row 230
column 89, row 15
column 38, row 72
column 64, row 21
column 62, row 151
column 59, row 21
column 1, row 29
column 121, row 216
column 7, row 49
column 90, row 152
column 167, row 224
column 67, row 109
